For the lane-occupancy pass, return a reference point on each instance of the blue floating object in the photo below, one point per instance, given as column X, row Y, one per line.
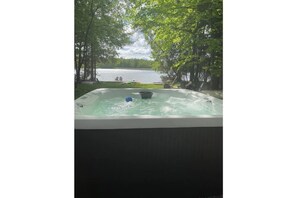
column 128, row 99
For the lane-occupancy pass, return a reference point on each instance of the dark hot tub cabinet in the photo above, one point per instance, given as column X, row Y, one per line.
column 149, row 157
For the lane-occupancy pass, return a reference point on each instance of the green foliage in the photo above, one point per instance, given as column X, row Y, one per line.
column 185, row 35
column 126, row 63
column 99, row 31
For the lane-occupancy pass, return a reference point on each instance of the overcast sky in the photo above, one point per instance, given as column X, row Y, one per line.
column 138, row 49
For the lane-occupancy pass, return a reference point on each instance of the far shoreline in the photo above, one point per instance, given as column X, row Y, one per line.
column 130, row 68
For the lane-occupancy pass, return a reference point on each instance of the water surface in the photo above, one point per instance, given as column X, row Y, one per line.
column 129, row 75
column 163, row 103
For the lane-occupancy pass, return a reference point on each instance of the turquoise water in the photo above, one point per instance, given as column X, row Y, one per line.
column 160, row 104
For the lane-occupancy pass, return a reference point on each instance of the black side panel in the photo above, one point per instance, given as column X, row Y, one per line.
column 176, row 162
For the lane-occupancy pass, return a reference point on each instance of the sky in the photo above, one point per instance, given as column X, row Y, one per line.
column 139, row 48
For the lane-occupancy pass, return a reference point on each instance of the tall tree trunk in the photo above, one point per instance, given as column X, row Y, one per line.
column 85, row 68
column 75, row 66
column 86, row 39
column 192, row 72
column 221, row 82
column 92, row 62
column 78, row 75
column 79, row 63
column 216, row 83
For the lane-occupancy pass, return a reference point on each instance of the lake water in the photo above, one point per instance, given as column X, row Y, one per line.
column 129, row 75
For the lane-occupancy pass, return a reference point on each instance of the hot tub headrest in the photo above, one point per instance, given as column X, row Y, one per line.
column 146, row 94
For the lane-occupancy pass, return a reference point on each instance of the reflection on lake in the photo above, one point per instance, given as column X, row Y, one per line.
column 129, row 75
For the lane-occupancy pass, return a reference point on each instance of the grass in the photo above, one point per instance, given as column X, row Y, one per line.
column 82, row 89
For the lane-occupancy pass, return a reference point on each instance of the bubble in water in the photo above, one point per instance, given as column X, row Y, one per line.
column 166, row 109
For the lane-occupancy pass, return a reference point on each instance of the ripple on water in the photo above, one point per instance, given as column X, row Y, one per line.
column 159, row 106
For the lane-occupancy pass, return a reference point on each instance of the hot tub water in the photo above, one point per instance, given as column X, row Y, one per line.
column 161, row 104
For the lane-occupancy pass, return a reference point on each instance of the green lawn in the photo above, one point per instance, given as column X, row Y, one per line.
column 82, row 89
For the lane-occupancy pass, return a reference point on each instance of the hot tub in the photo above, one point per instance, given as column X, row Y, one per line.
column 167, row 146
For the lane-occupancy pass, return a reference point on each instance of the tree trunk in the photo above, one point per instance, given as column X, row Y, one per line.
column 85, row 69
column 217, row 83
column 192, row 71
column 78, row 75
column 92, row 62
column 79, row 63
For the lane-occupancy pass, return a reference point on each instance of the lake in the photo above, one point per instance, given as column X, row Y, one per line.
column 129, row 75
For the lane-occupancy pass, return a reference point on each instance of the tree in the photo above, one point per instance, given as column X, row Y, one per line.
column 99, row 31
column 185, row 36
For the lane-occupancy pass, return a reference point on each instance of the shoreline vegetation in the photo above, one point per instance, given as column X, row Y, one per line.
column 83, row 88
column 121, row 63
column 130, row 68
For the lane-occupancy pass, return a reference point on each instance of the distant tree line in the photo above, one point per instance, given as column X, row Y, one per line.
column 126, row 63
